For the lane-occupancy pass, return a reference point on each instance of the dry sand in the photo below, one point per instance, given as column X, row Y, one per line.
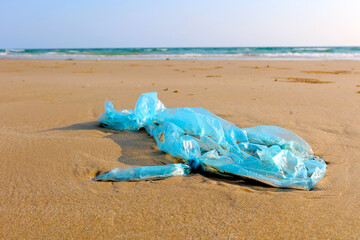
column 51, row 147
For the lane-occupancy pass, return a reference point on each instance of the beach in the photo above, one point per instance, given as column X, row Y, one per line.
column 51, row 147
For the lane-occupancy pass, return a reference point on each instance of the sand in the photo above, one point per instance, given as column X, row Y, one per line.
column 51, row 147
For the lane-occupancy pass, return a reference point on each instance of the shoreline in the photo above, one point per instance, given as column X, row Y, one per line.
column 185, row 59
column 193, row 53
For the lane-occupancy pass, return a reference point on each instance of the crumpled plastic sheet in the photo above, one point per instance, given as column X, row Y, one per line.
column 208, row 143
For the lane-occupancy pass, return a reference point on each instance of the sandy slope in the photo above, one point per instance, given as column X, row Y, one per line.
column 51, row 147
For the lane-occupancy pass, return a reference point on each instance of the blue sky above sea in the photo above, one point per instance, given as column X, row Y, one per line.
column 185, row 23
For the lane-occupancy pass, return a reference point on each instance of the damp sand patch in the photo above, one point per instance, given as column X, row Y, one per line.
column 11, row 70
column 328, row 72
column 302, row 80
column 83, row 72
column 203, row 69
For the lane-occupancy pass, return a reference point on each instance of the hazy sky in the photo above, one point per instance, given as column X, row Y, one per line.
column 178, row 23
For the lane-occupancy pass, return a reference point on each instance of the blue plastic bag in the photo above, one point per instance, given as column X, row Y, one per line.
column 208, row 143
column 145, row 173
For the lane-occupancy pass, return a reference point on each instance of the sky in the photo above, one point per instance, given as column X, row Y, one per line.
column 178, row 23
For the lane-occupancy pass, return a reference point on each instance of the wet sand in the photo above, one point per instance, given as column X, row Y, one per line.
column 51, row 147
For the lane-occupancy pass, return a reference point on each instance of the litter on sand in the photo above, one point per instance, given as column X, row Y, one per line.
column 208, row 143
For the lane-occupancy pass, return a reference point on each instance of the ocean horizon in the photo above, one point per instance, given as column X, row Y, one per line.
column 201, row 53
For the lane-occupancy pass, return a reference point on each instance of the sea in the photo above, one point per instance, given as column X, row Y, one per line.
column 211, row 53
